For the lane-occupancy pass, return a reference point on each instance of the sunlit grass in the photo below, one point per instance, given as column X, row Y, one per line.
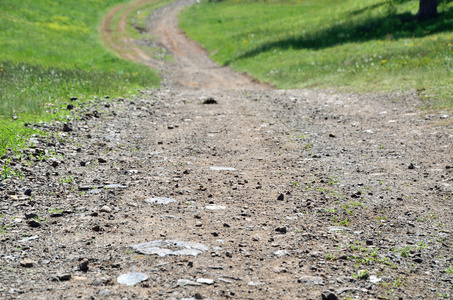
column 352, row 45
column 51, row 50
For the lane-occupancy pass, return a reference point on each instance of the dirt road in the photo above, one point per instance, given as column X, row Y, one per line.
column 262, row 194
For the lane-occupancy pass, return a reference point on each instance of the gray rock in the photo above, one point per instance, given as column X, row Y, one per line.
column 170, row 247
column 131, row 278
column 24, row 240
column 160, row 200
column 214, row 168
column 374, row 279
column 115, row 186
column 255, row 283
column 281, row 253
column 215, row 207
column 105, row 209
column 184, row 282
column 205, row 281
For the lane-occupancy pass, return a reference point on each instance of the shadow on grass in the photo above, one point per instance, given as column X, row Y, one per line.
column 395, row 26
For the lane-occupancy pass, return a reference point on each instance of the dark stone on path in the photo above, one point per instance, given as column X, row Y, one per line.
column 418, row 260
column 27, row 263
column 83, row 265
column 30, row 216
column 54, row 164
column 62, row 277
column 27, row 192
column 281, row 229
column 67, row 127
column 97, row 228
column 198, row 296
column 70, row 107
column 332, row 135
column 73, row 98
column 329, row 296
column 33, row 224
column 281, row 197
column 102, row 160
column 210, row 100
column 411, row 166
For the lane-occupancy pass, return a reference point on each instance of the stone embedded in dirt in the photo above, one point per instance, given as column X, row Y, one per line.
column 215, row 207
column 31, row 238
column 374, row 279
column 170, row 247
column 411, row 166
column 214, row 168
column 96, row 228
column 281, row 230
column 30, row 215
column 131, row 279
column 329, row 296
column 28, row 192
column 83, row 265
column 105, row 209
column 95, row 191
column 210, row 100
column 102, row 160
column 33, row 224
column 27, row 263
column 67, row 127
column 281, row 253
column 184, row 282
column 62, row 277
column 332, row 135
column 115, row 186
column 255, row 283
column 205, row 281
column 337, row 229
column 281, row 197
column 160, row 200
column 312, row 280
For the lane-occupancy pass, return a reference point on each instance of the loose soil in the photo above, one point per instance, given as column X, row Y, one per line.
column 293, row 194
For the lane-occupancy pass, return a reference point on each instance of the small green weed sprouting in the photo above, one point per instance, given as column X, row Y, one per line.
column 330, row 256
column 398, row 282
column 66, row 179
column 363, row 274
column 55, row 211
column 3, row 229
column 449, row 270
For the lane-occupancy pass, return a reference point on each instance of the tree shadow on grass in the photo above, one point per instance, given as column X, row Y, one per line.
column 394, row 26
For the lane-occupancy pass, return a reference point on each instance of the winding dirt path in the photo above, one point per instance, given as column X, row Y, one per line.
column 191, row 67
column 267, row 194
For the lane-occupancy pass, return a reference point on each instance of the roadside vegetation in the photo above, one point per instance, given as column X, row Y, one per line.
column 50, row 51
column 368, row 45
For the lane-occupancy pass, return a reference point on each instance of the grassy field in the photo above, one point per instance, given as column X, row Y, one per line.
column 366, row 45
column 51, row 50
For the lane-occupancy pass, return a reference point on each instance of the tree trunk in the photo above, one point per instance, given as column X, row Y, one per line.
column 428, row 9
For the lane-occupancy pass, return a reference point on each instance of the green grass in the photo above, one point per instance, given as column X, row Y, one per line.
column 366, row 45
column 51, row 50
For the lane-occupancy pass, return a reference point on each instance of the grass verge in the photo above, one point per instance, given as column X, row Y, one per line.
column 368, row 45
column 51, row 50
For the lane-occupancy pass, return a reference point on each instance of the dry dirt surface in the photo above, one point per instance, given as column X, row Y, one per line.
column 238, row 192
